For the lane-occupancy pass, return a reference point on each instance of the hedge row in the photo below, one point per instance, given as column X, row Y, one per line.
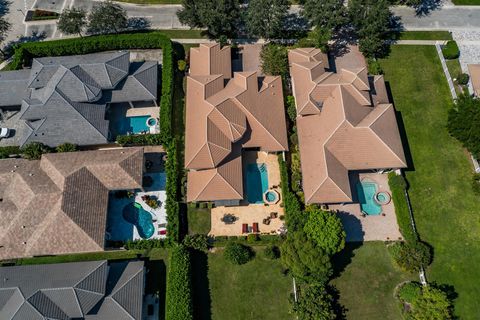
column 401, row 208
column 143, row 244
column 252, row 239
column 5, row 152
column 140, row 140
column 179, row 285
column 77, row 46
column 172, row 206
column 293, row 209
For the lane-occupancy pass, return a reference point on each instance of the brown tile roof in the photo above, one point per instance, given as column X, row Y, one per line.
column 224, row 114
column 59, row 204
column 339, row 127
column 474, row 70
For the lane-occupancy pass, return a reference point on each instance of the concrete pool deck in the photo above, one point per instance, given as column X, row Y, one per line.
column 374, row 227
column 251, row 213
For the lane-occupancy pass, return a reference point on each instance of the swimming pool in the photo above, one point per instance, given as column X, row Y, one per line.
column 366, row 196
column 256, row 182
column 136, row 124
column 141, row 219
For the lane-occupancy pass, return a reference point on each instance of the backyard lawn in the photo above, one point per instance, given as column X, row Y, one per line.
column 256, row 290
column 467, row 2
column 198, row 221
column 445, row 209
column 367, row 281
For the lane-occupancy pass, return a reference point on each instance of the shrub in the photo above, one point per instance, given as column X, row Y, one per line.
column 271, row 252
column 476, row 183
column 34, row 150
column 325, row 229
column 237, row 253
column 67, row 147
column 196, row 241
column 252, row 238
column 182, row 65
column 433, row 303
column 462, row 79
column 5, row 152
column 450, row 50
column 145, row 244
column 409, row 291
column 397, row 181
column 139, row 140
column 374, row 67
column 179, row 285
column 291, row 109
column 314, row 302
column 411, row 256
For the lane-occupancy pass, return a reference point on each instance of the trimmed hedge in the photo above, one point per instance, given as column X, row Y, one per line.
column 450, row 50
column 77, row 46
column 171, row 205
column 143, row 244
column 5, row 152
column 140, row 140
column 397, row 187
column 261, row 240
column 179, row 303
column 293, row 210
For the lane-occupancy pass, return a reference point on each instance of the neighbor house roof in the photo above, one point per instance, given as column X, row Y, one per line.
column 343, row 123
column 59, row 204
column 474, row 70
column 79, row 290
column 224, row 114
column 64, row 98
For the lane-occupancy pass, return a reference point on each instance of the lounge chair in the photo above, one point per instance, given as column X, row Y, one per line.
column 244, row 228
column 255, row 227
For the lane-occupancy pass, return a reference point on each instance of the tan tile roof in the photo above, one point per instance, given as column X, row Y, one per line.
column 339, row 127
column 223, row 114
column 59, row 204
column 474, row 70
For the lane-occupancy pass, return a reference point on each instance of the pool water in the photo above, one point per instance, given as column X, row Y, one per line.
column 366, row 196
column 141, row 219
column 256, row 182
column 134, row 125
column 271, row 196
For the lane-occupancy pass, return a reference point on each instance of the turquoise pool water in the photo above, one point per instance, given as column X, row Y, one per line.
column 366, row 196
column 134, row 125
column 141, row 219
column 271, row 196
column 256, row 182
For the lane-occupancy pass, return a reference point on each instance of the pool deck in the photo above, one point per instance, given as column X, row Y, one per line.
column 251, row 213
column 374, row 227
column 147, row 111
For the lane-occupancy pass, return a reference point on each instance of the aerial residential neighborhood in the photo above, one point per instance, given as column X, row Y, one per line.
column 239, row 159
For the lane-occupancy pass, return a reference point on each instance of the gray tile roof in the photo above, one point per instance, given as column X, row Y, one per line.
column 70, row 93
column 53, row 291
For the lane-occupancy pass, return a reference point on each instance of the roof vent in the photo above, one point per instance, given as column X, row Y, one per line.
column 12, row 171
column 23, row 227
column 24, row 242
column 30, row 174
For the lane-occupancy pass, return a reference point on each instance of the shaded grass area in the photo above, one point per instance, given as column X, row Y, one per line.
column 256, row 290
column 466, row 2
column 366, row 280
column 444, row 205
column 198, row 221
column 424, row 35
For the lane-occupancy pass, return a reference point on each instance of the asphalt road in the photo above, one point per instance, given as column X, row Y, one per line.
column 447, row 18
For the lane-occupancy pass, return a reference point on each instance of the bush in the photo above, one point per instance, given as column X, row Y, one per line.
column 144, row 244
column 374, row 67
column 139, row 140
column 476, row 183
column 196, row 241
column 463, row 78
column 261, row 240
column 271, row 252
column 66, row 147
column 5, row 152
column 411, row 256
column 314, row 302
column 182, row 65
column 34, row 150
column 237, row 253
column 291, row 109
column 252, row 238
column 450, row 50
column 325, row 229
column 179, row 285
column 409, row 292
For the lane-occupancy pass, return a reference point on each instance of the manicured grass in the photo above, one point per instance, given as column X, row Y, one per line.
column 425, row 35
column 198, row 221
column 466, row 2
column 255, row 290
column 455, row 70
column 445, row 209
column 152, row 1
column 184, row 34
column 367, row 281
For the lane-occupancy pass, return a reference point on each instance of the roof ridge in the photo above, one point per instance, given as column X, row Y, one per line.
column 96, row 268
column 126, row 282
column 206, row 184
column 120, row 306
column 235, row 190
column 141, row 83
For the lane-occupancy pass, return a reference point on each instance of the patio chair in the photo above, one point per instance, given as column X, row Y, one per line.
column 255, row 227
column 244, row 228
column 273, row 215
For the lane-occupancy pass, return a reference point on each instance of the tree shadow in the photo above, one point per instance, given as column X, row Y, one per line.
column 342, row 259
column 427, row 6
column 201, row 289
column 4, row 7
column 294, row 26
column 340, row 310
column 9, row 47
column 138, row 23
column 352, row 225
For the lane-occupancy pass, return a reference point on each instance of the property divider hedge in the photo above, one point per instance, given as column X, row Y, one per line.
column 401, row 209
column 179, row 303
column 139, row 140
column 171, row 205
column 25, row 52
column 293, row 208
column 260, row 240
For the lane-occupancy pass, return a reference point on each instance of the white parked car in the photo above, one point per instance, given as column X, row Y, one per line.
column 4, row 133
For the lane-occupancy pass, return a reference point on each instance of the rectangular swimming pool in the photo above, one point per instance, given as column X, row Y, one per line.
column 256, row 182
column 136, row 124
column 366, row 196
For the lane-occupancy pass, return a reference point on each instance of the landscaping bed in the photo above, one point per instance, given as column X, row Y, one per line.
column 36, row 15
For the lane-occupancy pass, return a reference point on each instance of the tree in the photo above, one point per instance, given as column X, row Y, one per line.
column 237, row 253
column 325, row 229
column 5, row 26
column 412, row 255
column 274, row 60
column 432, row 304
column 220, row 17
column 314, row 303
column 464, row 123
column 265, row 17
column 72, row 21
column 305, row 259
column 67, row 147
column 107, row 17
column 325, row 14
column 371, row 19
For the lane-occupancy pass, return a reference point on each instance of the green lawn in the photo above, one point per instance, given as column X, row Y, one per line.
column 198, row 221
column 467, row 2
column 445, row 209
column 425, row 35
column 256, row 290
column 367, row 281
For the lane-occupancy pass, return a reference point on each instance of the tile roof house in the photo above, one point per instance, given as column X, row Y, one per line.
column 225, row 114
column 345, row 122
column 474, row 70
column 64, row 99
column 80, row 290
column 59, row 204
